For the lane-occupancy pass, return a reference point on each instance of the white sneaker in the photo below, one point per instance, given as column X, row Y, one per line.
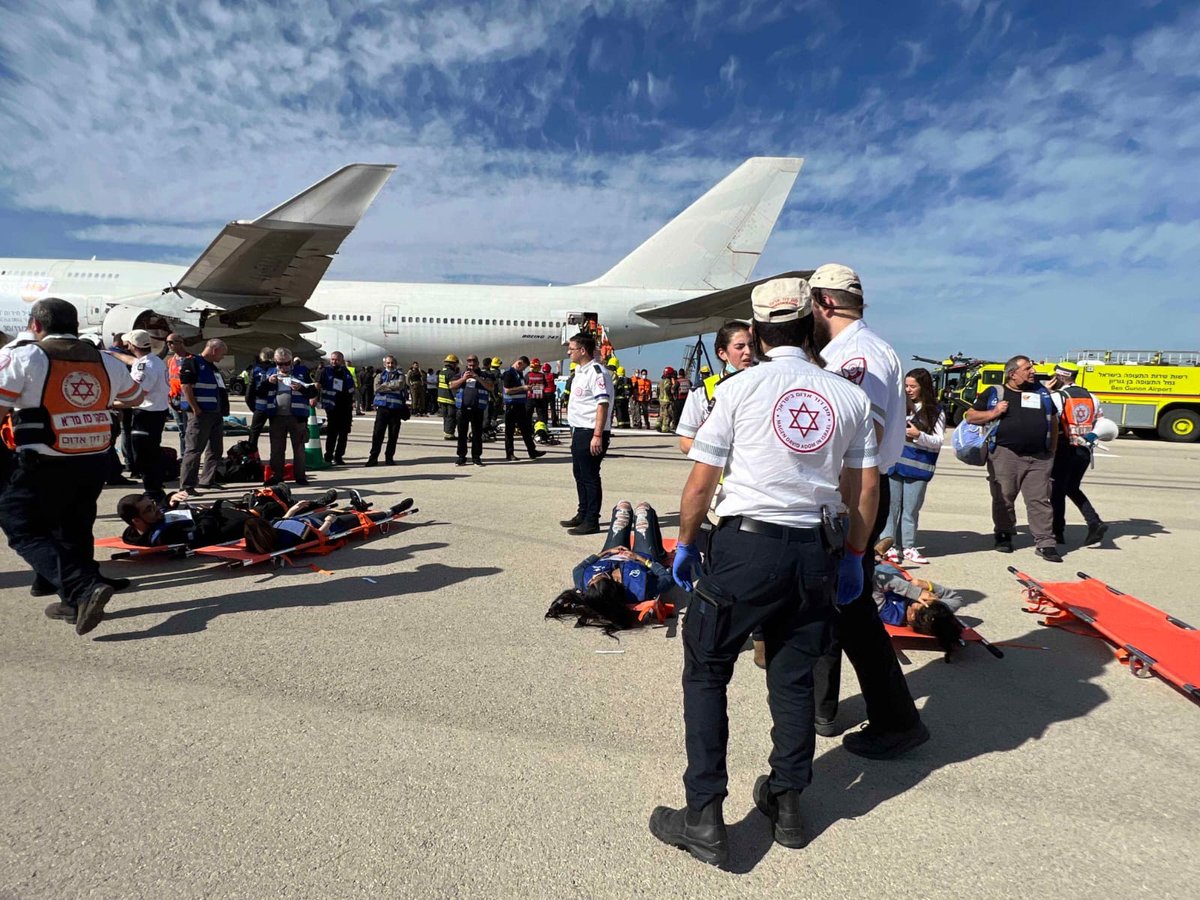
column 913, row 555
column 892, row 556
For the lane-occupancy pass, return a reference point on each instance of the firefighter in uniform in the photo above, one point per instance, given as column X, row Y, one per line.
column 179, row 353
column 797, row 450
column 339, row 394
column 551, row 394
column 416, row 389
column 1077, row 411
column 590, row 416
column 445, row 399
column 391, row 408
column 623, row 387
column 856, row 353
column 666, row 401
column 680, row 392
column 535, row 381
column 60, row 389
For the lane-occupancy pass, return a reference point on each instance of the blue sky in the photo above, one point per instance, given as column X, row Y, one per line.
column 1006, row 177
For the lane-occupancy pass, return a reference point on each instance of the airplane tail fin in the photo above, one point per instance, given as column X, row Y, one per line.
column 715, row 243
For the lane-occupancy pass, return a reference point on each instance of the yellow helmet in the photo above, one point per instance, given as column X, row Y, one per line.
column 573, row 366
column 451, row 358
column 620, row 370
column 705, row 370
column 496, row 361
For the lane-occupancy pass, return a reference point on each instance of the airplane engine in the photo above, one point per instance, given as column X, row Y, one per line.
column 124, row 317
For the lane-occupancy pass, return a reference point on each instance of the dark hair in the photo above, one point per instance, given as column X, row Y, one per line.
column 524, row 359
column 586, row 341
column 838, row 299
column 797, row 333
column 601, row 604
column 127, row 507
column 938, row 620
column 728, row 330
column 260, row 536
column 927, row 416
column 55, row 316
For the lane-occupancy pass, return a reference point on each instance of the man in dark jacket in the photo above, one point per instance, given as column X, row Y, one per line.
column 338, row 392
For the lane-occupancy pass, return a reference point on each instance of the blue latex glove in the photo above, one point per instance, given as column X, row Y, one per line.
column 687, row 565
column 849, row 578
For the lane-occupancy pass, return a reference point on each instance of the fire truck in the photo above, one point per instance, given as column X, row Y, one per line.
column 1149, row 392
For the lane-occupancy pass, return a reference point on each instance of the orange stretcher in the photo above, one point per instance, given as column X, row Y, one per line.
column 235, row 555
column 903, row 632
column 1147, row 640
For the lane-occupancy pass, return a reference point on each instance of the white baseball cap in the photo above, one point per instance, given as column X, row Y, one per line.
column 837, row 277
column 781, row 300
column 139, row 339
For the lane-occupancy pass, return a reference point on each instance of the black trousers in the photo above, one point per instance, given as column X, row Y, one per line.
column 338, row 422
column 472, row 419
column 47, row 512
column 859, row 631
column 387, row 421
column 541, row 410
column 146, row 431
column 1070, row 465
column 621, row 411
column 783, row 585
column 258, row 421
column 586, row 469
column 518, row 417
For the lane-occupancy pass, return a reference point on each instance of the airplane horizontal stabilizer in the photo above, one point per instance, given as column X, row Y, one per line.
column 715, row 243
column 731, row 303
column 284, row 253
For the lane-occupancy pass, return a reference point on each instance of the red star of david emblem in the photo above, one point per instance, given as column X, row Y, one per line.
column 807, row 428
column 82, row 389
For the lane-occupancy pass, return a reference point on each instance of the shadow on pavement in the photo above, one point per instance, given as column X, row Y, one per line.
column 191, row 616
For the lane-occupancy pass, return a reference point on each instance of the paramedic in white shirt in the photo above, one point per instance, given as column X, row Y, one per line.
column 590, row 416
column 150, row 373
column 859, row 355
column 797, row 450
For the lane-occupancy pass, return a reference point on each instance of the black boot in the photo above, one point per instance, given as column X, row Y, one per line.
column 701, row 833
column 784, row 812
column 571, row 522
column 1095, row 533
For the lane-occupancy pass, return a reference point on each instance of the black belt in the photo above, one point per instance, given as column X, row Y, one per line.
column 770, row 529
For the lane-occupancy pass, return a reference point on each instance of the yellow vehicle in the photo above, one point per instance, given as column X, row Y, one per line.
column 1150, row 392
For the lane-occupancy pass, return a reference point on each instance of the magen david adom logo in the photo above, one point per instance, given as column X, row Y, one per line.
column 803, row 420
column 81, row 389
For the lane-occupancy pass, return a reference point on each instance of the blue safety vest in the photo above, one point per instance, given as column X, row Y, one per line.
column 482, row 398
column 328, row 394
column 915, row 462
column 637, row 580
column 299, row 401
column 389, row 399
column 257, row 376
column 208, row 397
column 510, row 399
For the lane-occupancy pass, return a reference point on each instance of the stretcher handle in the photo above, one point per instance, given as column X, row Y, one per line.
column 987, row 645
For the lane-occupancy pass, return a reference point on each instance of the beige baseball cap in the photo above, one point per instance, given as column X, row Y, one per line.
column 781, row 300
column 139, row 339
column 837, row 277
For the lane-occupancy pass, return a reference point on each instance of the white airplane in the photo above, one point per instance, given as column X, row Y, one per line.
column 251, row 286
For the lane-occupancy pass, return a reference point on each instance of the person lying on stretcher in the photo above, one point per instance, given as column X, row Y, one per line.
column 609, row 584
column 175, row 521
column 263, row 536
column 924, row 606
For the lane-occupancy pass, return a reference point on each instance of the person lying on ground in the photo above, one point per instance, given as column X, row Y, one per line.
column 609, row 584
column 264, row 536
column 178, row 522
column 924, row 606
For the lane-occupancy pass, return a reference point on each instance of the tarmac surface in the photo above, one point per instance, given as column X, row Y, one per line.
column 405, row 723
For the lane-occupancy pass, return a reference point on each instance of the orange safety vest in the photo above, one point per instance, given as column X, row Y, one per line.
column 73, row 416
column 175, row 386
column 1078, row 414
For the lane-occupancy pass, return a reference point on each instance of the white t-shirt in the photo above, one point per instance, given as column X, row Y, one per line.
column 860, row 355
column 695, row 409
column 23, row 372
column 150, row 373
column 782, row 431
column 591, row 387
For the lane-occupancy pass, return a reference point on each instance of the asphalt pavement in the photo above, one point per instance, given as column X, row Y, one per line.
column 399, row 719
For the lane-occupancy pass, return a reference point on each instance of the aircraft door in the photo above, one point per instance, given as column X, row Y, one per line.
column 391, row 319
column 95, row 310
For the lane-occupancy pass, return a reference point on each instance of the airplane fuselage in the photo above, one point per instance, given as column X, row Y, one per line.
column 366, row 320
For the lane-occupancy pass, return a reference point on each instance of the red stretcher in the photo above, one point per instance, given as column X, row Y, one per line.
column 235, row 555
column 903, row 632
column 1147, row 640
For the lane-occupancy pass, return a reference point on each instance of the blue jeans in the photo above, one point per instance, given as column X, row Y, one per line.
column 908, row 494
